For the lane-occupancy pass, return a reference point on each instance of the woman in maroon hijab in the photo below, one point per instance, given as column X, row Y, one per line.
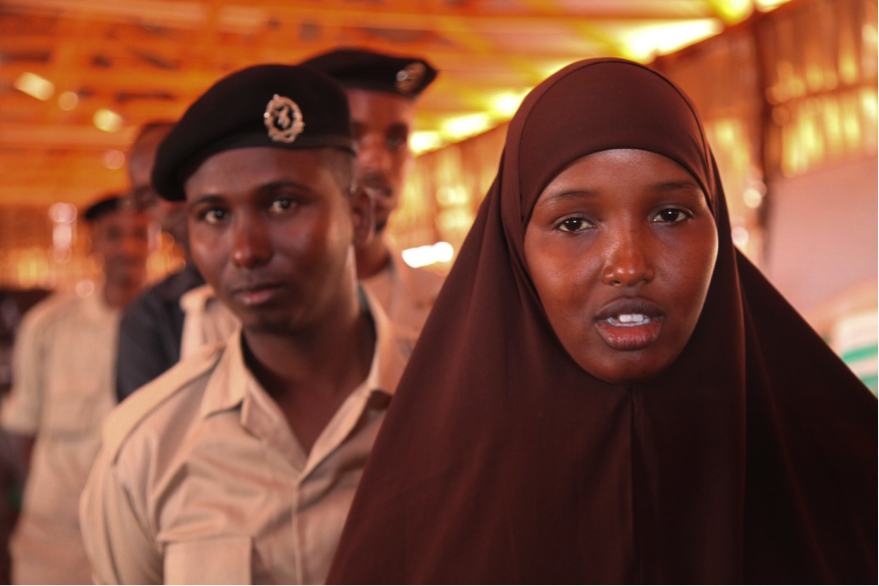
column 607, row 391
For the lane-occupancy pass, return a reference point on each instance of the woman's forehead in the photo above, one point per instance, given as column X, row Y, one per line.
column 605, row 106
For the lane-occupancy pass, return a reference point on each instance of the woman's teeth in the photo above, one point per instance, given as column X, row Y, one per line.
column 629, row 319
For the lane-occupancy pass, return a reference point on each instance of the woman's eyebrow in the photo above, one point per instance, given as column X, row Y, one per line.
column 555, row 198
column 678, row 185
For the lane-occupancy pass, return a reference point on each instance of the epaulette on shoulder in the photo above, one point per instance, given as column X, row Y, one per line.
column 126, row 417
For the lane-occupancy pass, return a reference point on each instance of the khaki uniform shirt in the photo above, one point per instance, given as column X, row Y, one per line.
column 407, row 295
column 207, row 321
column 63, row 389
column 201, row 480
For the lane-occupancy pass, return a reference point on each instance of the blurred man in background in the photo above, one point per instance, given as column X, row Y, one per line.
column 382, row 91
column 62, row 390
column 151, row 331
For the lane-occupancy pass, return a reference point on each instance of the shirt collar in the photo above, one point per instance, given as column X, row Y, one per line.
column 390, row 356
column 97, row 307
column 229, row 380
column 232, row 380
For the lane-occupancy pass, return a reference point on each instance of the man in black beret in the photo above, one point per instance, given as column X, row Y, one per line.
column 382, row 92
column 63, row 389
column 240, row 463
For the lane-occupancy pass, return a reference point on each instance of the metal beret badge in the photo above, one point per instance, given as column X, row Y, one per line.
column 283, row 119
column 409, row 78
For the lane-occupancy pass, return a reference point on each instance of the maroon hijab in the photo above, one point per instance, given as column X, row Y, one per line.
column 751, row 459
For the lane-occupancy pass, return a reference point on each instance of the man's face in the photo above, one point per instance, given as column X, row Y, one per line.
column 121, row 238
column 382, row 123
column 171, row 216
column 272, row 230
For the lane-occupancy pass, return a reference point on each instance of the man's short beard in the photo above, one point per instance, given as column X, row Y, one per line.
column 269, row 327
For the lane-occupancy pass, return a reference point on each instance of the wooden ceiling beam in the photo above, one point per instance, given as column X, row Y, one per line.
column 149, row 59
column 335, row 13
column 79, row 63
column 62, row 136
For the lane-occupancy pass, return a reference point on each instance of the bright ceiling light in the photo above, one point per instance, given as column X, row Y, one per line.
column 506, row 104
column 107, row 120
column 767, row 5
column 735, row 11
column 466, row 126
column 428, row 255
column 34, row 85
column 422, row 142
column 643, row 43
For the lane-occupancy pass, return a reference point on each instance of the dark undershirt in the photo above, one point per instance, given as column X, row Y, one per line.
column 150, row 332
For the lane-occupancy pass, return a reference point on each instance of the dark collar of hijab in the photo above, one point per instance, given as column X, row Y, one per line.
column 751, row 459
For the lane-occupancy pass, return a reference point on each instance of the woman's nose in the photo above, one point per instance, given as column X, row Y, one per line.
column 628, row 260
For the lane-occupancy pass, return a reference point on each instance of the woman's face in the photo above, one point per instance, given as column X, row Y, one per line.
column 621, row 248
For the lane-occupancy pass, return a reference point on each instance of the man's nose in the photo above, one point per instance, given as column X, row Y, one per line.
column 373, row 156
column 252, row 246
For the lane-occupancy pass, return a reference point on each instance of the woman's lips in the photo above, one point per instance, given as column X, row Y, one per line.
column 629, row 324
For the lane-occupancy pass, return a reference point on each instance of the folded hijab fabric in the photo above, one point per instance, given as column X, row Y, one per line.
column 752, row 459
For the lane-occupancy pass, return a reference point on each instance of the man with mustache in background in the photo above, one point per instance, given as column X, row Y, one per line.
column 382, row 92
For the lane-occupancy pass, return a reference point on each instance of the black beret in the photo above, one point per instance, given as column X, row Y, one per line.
column 109, row 203
column 282, row 106
column 363, row 69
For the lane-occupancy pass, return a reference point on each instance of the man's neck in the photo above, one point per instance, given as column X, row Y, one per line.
column 310, row 374
column 118, row 295
column 373, row 258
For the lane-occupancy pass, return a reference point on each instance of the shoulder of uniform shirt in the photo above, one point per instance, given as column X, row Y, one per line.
column 425, row 284
column 50, row 309
column 138, row 407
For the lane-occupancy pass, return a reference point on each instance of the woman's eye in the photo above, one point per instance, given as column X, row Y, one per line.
column 671, row 216
column 574, row 225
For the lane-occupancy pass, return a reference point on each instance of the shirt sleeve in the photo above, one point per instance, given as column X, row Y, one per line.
column 145, row 350
column 116, row 539
column 22, row 407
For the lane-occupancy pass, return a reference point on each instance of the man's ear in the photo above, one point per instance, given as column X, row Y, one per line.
column 363, row 216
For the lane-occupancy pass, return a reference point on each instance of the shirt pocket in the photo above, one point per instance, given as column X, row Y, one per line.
column 220, row 560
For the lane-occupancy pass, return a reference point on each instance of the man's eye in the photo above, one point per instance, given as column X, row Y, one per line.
column 574, row 225
column 671, row 216
column 282, row 204
column 214, row 216
column 396, row 142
